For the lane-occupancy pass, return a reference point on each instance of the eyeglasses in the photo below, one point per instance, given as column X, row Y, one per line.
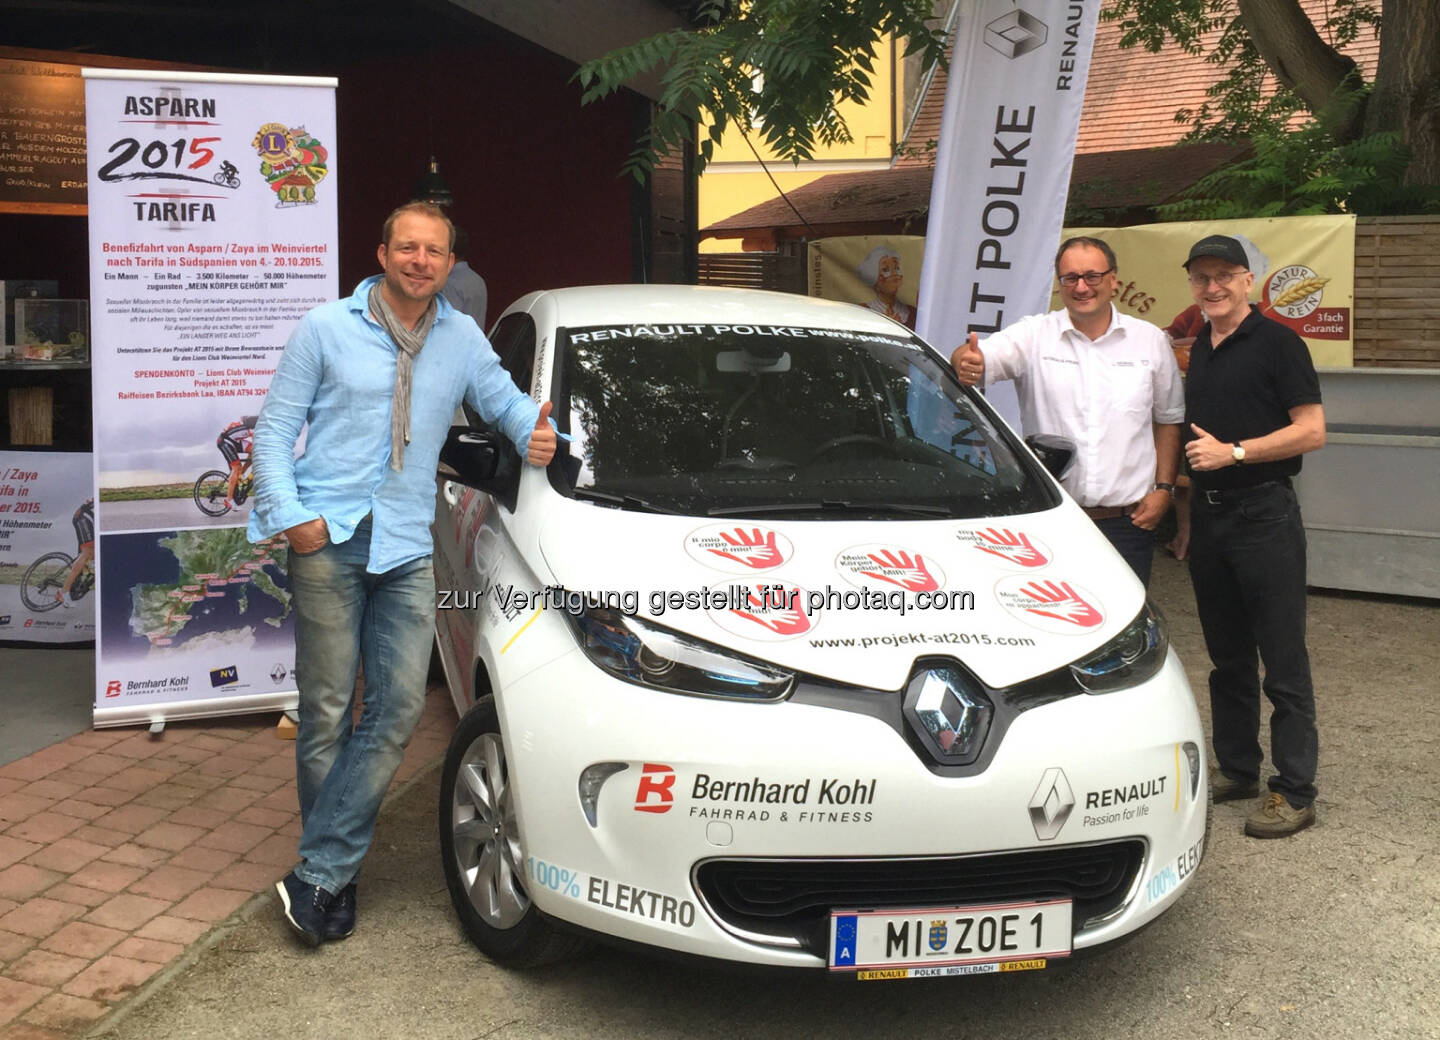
column 1222, row 279
column 1092, row 278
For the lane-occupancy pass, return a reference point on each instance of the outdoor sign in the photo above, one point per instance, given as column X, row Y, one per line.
column 877, row 271
column 1304, row 271
column 47, row 582
column 1002, row 170
column 42, row 138
column 212, row 231
column 1304, row 274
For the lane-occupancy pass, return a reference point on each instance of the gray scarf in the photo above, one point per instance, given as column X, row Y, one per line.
column 409, row 343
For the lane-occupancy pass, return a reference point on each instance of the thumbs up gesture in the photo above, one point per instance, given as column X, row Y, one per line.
column 542, row 438
column 968, row 362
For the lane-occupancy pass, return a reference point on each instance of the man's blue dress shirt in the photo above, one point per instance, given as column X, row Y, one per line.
column 338, row 374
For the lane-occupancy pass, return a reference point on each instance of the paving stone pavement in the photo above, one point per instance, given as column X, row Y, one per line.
column 119, row 850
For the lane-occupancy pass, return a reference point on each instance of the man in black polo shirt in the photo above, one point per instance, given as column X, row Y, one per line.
column 1252, row 406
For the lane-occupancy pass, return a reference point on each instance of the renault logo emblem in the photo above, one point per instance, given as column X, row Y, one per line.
column 1051, row 803
column 1016, row 33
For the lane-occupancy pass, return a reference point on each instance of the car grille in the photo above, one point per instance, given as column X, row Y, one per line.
column 788, row 901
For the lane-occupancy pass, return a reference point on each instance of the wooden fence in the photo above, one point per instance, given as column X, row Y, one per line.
column 1397, row 292
column 754, row 271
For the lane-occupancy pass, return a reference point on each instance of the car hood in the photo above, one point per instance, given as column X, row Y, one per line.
column 857, row 601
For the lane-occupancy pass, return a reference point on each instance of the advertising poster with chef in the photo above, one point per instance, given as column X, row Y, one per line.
column 212, row 231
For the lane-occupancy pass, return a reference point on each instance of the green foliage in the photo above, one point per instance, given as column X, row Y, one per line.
column 779, row 67
column 1309, row 171
column 1304, row 162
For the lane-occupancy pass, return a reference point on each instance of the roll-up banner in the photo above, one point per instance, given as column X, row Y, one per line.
column 47, row 537
column 212, row 231
column 1002, row 170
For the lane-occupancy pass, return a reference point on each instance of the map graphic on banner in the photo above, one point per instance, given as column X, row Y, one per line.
column 44, row 511
column 212, row 232
column 184, row 590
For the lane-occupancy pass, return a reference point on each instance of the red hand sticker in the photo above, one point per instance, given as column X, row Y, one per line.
column 781, row 611
column 899, row 568
column 1009, row 546
column 754, row 549
column 1065, row 603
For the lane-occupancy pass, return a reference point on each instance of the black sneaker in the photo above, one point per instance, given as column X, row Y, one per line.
column 1228, row 789
column 304, row 907
column 340, row 920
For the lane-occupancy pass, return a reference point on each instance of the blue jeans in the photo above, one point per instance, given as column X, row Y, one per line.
column 1247, row 560
column 345, row 616
column 1135, row 544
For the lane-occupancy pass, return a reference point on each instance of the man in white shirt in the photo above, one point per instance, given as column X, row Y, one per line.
column 1104, row 380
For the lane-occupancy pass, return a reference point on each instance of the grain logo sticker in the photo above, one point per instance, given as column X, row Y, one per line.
column 1294, row 295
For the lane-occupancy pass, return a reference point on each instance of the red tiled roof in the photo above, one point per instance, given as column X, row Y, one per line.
column 900, row 197
column 840, row 198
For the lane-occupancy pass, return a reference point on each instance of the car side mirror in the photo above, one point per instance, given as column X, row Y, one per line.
column 483, row 460
column 1055, row 453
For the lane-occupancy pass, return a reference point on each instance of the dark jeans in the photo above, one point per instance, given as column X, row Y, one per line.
column 1247, row 560
column 1135, row 544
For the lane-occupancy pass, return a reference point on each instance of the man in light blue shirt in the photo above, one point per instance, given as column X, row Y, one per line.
column 377, row 377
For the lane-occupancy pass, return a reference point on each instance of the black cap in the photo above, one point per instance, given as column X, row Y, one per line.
column 1222, row 247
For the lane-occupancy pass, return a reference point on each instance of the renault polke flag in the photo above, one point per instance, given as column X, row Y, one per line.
column 1007, row 138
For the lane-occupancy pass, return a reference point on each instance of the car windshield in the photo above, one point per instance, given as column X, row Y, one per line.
column 759, row 420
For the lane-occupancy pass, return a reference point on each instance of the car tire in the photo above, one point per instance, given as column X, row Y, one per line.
column 480, row 849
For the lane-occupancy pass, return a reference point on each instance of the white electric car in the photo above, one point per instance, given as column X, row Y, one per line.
column 794, row 656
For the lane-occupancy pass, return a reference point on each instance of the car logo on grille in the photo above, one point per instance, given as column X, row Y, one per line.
column 1051, row 803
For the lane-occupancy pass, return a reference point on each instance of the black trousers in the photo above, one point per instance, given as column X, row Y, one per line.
column 1247, row 561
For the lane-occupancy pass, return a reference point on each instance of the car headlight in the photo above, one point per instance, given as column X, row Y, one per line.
column 1129, row 659
column 646, row 654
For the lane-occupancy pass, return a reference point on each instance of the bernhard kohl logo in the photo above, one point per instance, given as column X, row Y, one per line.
column 1051, row 803
column 1015, row 33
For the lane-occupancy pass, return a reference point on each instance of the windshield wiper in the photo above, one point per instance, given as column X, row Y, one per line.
column 829, row 505
column 622, row 501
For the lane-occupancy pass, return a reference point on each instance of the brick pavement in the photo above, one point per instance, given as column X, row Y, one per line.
column 118, row 851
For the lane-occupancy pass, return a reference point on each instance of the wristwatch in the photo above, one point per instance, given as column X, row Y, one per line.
column 1237, row 453
column 1167, row 488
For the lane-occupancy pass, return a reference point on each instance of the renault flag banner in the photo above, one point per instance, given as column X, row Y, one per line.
column 1002, row 171
column 47, row 536
column 212, row 231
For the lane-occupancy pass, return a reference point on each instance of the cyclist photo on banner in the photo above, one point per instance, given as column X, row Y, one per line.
column 217, row 492
column 58, row 579
column 234, row 443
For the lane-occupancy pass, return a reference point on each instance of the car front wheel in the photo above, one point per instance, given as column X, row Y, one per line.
column 484, row 861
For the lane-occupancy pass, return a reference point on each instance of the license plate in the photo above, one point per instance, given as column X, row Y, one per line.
column 957, row 940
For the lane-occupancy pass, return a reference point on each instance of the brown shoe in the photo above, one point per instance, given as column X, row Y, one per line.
column 1227, row 789
column 1277, row 818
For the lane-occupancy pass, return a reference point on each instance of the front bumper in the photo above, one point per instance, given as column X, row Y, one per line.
column 731, row 830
